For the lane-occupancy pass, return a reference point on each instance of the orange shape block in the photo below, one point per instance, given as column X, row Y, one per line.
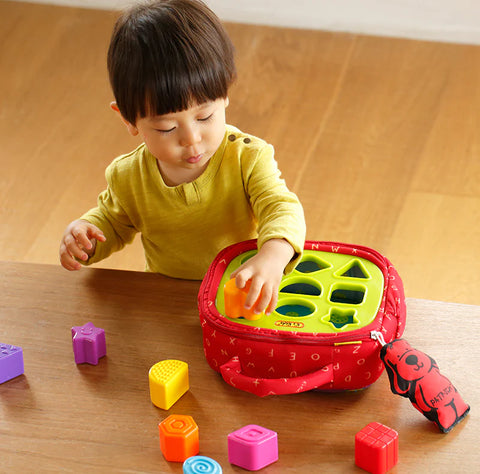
column 178, row 438
column 234, row 299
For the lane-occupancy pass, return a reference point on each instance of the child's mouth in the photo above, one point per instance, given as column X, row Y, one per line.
column 194, row 159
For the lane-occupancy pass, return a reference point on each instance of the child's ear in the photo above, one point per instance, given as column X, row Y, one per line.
column 130, row 127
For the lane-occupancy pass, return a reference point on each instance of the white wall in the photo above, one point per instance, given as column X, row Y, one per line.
column 440, row 20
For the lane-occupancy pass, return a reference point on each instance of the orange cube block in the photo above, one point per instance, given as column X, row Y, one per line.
column 234, row 299
column 178, row 438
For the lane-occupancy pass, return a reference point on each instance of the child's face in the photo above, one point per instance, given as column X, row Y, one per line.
column 183, row 142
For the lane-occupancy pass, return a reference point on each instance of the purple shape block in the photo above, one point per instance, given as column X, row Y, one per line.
column 252, row 447
column 88, row 343
column 11, row 362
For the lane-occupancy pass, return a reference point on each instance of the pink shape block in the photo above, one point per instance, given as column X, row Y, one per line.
column 376, row 448
column 11, row 362
column 88, row 343
column 252, row 447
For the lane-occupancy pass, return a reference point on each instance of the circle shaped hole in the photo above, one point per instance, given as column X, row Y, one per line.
column 311, row 265
column 295, row 309
column 302, row 288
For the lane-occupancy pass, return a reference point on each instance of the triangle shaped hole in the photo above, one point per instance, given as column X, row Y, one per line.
column 354, row 269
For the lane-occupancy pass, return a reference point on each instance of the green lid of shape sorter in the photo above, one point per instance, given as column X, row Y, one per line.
column 326, row 293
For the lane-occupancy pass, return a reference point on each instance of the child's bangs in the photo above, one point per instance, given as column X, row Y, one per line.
column 178, row 90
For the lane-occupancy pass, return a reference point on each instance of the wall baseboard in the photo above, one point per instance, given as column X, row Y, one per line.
column 456, row 21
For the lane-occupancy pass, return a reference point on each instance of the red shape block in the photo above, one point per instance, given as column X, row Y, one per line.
column 376, row 448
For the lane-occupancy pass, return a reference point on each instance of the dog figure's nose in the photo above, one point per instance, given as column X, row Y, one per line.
column 412, row 359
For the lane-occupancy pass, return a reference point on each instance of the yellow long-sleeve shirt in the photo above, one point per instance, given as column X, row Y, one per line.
column 239, row 196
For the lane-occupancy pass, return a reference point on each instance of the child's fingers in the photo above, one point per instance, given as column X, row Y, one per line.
column 71, row 265
column 264, row 300
column 78, row 243
column 80, row 234
column 269, row 298
column 73, row 248
column 241, row 277
column 254, row 294
column 67, row 260
column 273, row 303
column 96, row 233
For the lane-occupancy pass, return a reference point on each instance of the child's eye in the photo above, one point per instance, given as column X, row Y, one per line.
column 206, row 119
column 165, row 131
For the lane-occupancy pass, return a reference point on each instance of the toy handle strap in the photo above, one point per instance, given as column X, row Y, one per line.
column 232, row 374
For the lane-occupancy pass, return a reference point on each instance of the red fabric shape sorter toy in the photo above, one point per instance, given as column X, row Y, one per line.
column 320, row 334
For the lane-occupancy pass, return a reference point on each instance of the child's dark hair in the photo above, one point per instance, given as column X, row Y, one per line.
column 165, row 55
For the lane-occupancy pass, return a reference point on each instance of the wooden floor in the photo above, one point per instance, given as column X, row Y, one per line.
column 379, row 137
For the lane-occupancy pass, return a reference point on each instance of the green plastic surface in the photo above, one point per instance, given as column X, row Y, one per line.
column 326, row 293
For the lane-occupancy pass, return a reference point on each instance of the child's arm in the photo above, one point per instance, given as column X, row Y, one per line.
column 265, row 270
column 79, row 241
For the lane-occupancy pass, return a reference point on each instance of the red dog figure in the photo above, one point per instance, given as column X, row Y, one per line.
column 415, row 375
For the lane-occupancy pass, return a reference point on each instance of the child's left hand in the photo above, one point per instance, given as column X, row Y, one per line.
column 265, row 270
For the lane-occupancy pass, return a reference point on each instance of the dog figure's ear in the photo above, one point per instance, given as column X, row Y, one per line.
column 398, row 384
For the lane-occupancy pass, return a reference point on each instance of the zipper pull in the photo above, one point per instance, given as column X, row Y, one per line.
column 377, row 336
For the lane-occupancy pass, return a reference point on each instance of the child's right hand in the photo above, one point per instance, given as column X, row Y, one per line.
column 79, row 241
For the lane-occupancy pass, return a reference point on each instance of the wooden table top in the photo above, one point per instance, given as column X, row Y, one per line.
column 63, row 416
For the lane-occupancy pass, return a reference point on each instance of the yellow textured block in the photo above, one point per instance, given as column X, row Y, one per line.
column 168, row 381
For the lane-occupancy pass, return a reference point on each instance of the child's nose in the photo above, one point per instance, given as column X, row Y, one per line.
column 190, row 136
